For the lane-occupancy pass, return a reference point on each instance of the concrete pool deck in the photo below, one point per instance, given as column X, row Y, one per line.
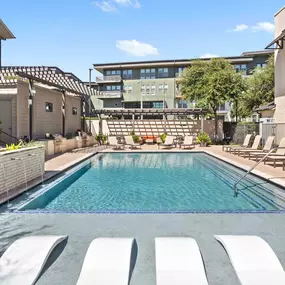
column 83, row 228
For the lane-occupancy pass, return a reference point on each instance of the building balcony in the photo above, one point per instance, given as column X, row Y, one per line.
column 109, row 79
column 109, row 94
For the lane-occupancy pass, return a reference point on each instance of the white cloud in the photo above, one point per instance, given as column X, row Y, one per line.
column 240, row 28
column 136, row 48
column 208, row 55
column 105, row 6
column 264, row 26
column 131, row 3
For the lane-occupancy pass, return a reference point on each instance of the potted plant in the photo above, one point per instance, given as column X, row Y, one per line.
column 102, row 139
column 203, row 139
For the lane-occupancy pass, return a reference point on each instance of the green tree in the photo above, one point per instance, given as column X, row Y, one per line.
column 210, row 84
column 259, row 89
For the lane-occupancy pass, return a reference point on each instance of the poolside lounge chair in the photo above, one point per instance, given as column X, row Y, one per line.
column 253, row 260
column 169, row 142
column 24, row 260
column 279, row 155
column 130, row 141
column 107, row 262
column 245, row 144
column 188, row 142
column 114, row 143
column 261, row 153
column 178, row 261
column 254, row 147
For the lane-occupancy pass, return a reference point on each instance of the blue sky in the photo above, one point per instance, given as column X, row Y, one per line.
column 74, row 34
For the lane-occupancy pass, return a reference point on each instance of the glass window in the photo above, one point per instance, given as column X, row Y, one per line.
column 143, row 89
column 113, row 72
column 49, row 107
column 222, row 107
column 130, row 88
column 147, row 74
column 142, row 73
column 113, row 88
column 147, row 88
column 160, row 88
column 152, row 89
column 74, row 111
column 118, row 87
column 157, row 105
column 108, row 88
column 108, row 72
column 166, row 87
column 127, row 74
column 237, row 67
column 160, row 72
column 152, row 73
column 165, row 72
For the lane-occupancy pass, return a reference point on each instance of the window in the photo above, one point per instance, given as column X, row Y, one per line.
column 221, row 118
column 74, row 111
column 222, row 107
column 157, row 105
column 108, row 72
column 113, row 72
column 143, row 89
column 152, row 73
column 49, row 107
column 142, row 73
column 147, row 89
column 113, row 87
column 128, row 88
column 260, row 65
column 165, row 72
column 147, row 74
column 237, row 67
column 127, row 74
column 163, row 88
column 152, row 89
column 243, row 68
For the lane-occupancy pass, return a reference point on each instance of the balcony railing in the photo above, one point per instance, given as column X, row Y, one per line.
column 109, row 94
column 112, row 78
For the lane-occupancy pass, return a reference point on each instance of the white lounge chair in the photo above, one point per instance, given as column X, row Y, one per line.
column 261, row 153
column 130, row 141
column 23, row 261
column 254, row 147
column 114, row 143
column 253, row 260
column 107, row 262
column 279, row 155
column 178, row 261
column 245, row 144
column 169, row 142
column 188, row 142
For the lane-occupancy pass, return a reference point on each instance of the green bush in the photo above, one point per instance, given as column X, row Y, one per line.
column 204, row 138
column 101, row 138
column 163, row 137
column 136, row 138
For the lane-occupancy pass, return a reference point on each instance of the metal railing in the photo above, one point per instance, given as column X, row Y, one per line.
column 111, row 78
column 12, row 138
column 256, row 164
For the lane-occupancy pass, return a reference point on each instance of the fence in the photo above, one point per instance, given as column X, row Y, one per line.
column 273, row 129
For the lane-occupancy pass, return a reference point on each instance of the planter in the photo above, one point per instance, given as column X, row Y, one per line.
column 203, row 144
column 19, row 167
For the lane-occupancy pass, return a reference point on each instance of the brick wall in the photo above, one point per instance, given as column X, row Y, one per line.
column 29, row 165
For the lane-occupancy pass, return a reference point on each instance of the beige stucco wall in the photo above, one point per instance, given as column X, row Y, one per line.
column 279, row 116
column 72, row 122
column 22, row 109
column 47, row 122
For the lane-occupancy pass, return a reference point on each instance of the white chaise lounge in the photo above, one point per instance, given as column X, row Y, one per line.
column 107, row 262
column 178, row 261
column 253, row 260
column 23, row 261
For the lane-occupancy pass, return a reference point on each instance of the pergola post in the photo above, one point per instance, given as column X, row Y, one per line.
column 63, row 110
column 32, row 93
column 83, row 113
column 202, row 123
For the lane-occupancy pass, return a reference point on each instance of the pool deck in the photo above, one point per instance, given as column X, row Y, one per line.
column 65, row 263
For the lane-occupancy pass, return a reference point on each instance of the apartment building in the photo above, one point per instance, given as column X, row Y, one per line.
column 155, row 84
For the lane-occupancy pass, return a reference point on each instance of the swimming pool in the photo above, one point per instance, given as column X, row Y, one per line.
column 157, row 182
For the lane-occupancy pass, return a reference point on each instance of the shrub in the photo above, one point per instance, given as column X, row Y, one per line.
column 163, row 137
column 204, row 138
column 101, row 138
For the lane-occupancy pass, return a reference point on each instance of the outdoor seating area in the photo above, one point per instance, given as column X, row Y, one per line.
column 164, row 141
column 269, row 154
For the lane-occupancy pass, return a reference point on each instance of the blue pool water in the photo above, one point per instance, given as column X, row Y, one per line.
column 158, row 182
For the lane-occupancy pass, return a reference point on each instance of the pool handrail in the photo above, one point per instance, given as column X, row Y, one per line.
column 256, row 164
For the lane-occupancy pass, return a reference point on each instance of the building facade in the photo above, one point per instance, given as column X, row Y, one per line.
column 155, row 84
